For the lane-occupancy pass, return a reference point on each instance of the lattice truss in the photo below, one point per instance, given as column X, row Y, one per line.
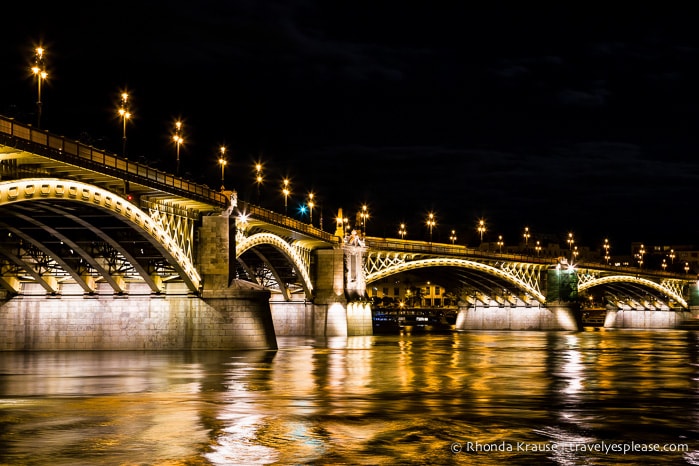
column 274, row 262
column 669, row 288
column 177, row 222
column 527, row 277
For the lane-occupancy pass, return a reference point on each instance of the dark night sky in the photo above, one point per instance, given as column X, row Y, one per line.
column 567, row 119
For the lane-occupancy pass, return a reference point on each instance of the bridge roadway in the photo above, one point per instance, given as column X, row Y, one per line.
column 78, row 221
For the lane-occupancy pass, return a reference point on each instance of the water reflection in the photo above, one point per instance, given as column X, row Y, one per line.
column 358, row 400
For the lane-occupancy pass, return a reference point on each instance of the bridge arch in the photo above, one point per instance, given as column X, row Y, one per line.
column 56, row 189
column 299, row 265
column 458, row 263
column 598, row 281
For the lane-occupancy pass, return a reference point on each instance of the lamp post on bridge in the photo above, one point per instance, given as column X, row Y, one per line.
column 453, row 237
column 125, row 115
column 364, row 215
column 258, row 179
column 402, row 231
column 39, row 70
column 571, row 242
column 311, row 204
column 538, row 248
column 177, row 137
column 431, row 222
column 222, row 161
column 481, row 228
column 526, row 236
column 501, row 243
column 606, row 247
column 286, row 192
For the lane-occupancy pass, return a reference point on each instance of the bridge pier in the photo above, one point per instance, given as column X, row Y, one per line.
column 550, row 317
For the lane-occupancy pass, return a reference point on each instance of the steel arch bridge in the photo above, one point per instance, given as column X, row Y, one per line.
column 504, row 277
column 59, row 228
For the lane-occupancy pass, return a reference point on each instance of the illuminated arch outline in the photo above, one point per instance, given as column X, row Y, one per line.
column 459, row 263
column 635, row 280
column 29, row 189
column 277, row 242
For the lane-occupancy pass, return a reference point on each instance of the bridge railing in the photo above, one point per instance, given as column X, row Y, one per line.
column 284, row 221
column 422, row 247
column 41, row 142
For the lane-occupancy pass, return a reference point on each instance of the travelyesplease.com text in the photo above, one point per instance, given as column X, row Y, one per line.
column 596, row 447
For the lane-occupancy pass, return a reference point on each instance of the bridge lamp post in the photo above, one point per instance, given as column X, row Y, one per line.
column 364, row 215
column 538, row 248
column 258, row 179
column 402, row 231
column 39, row 70
column 672, row 256
column 177, row 137
column 222, row 161
column 570, row 242
column 606, row 247
column 286, row 192
column 575, row 254
column 664, row 265
column 125, row 114
column 453, row 236
column 686, row 267
column 481, row 228
column 311, row 204
column 500, row 243
column 431, row 222
column 641, row 253
column 526, row 236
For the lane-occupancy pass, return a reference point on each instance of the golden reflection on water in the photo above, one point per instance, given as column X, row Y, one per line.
column 357, row 400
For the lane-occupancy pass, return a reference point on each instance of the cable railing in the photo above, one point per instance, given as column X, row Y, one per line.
column 43, row 143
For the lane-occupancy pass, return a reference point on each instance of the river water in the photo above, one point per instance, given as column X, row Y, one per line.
column 491, row 398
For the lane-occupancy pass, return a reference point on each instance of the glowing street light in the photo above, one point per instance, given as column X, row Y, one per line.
column 452, row 237
column 537, row 248
column 39, row 70
column 606, row 247
column 258, row 179
column 125, row 114
column 286, row 192
column 686, row 267
column 526, row 236
column 641, row 253
column 364, row 215
column 222, row 161
column 501, row 243
column 311, row 204
column 402, row 231
column 570, row 242
column 672, row 256
column 177, row 137
column 481, row 228
column 664, row 265
column 431, row 222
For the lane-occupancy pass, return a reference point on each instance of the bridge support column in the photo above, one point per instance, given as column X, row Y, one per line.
column 345, row 313
column 495, row 317
column 244, row 305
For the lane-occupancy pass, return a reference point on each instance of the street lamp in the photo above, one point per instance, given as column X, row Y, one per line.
column 672, row 256
column 686, row 267
column 178, row 141
column 364, row 215
column 453, row 236
column 575, row 254
column 125, row 114
column 222, row 161
column 286, row 192
column 570, row 242
column 311, row 204
column 402, row 231
column 39, row 70
column 481, row 228
column 526, row 236
column 431, row 223
column 258, row 179
column 664, row 265
column 538, row 248
column 501, row 243
column 606, row 247
column 641, row 253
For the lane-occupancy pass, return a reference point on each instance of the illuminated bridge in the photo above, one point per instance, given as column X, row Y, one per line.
column 97, row 251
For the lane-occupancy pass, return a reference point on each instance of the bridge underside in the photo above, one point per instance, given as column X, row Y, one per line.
column 50, row 242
